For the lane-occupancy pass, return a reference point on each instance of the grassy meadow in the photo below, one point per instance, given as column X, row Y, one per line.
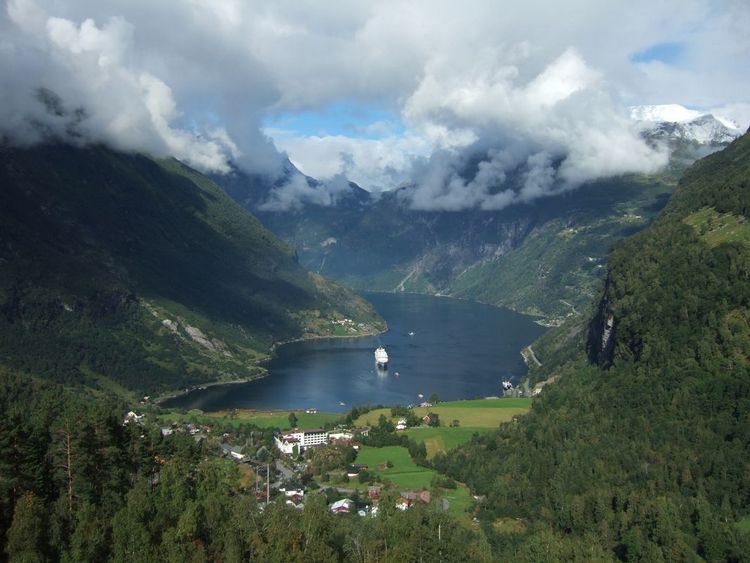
column 477, row 413
column 443, row 438
column 404, row 473
column 716, row 228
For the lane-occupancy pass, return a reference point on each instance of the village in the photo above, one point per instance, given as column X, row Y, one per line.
column 295, row 463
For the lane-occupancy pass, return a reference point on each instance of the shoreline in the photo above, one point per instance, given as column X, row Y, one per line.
column 159, row 402
column 317, row 337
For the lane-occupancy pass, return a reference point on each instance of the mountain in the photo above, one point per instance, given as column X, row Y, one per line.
column 544, row 258
column 129, row 273
column 636, row 449
column 672, row 122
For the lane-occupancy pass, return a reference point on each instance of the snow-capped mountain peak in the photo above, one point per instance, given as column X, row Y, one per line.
column 669, row 113
column 678, row 123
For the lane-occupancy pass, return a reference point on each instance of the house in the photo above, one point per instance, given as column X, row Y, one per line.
column 312, row 411
column 343, row 506
column 425, row 405
column 133, row 417
column 286, row 443
column 167, row 431
column 401, row 424
column 409, row 498
column 354, row 470
column 293, row 492
column 340, row 437
column 373, row 492
column 294, row 497
column 233, row 452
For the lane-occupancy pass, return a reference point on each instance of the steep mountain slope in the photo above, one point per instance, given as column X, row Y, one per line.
column 545, row 258
column 126, row 272
column 642, row 454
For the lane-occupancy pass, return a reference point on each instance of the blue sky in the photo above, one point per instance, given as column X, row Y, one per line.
column 346, row 117
column 667, row 53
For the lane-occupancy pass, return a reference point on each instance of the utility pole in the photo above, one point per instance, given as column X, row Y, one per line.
column 440, row 545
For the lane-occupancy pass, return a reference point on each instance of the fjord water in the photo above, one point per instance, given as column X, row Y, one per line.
column 459, row 350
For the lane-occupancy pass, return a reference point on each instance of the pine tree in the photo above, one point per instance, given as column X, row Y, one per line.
column 27, row 534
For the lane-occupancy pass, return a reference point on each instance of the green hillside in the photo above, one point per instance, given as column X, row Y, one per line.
column 128, row 273
column 641, row 455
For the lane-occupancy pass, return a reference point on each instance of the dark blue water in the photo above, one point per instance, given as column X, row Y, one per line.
column 459, row 350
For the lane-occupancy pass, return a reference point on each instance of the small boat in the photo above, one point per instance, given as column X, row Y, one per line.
column 411, row 334
column 396, row 374
column 342, row 403
column 420, row 396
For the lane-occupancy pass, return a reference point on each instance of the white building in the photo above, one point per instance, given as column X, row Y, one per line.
column 302, row 439
column 133, row 417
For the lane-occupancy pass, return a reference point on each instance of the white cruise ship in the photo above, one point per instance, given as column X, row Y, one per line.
column 381, row 357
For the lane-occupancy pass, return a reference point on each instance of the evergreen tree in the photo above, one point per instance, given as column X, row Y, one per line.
column 27, row 534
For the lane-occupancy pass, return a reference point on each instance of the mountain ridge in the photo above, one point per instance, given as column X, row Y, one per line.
column 143, row 273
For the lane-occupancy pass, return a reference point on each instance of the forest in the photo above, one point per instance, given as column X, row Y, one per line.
column 78, row 485
column 639, row 451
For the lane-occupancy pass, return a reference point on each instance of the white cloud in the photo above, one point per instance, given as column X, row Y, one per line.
column 297, row 191
column 521, row 85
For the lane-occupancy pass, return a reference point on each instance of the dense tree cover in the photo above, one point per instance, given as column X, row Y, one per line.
column 77, row 485
column 646, row 456
column 99, row 249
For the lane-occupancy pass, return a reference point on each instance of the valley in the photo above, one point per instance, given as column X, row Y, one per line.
column 374, row 282
column 545, row 259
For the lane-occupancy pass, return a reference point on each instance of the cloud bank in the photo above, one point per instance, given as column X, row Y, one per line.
column 538, row 92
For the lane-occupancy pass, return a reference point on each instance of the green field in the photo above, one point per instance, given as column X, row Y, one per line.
column 478, row 413
column 404, row 473
column 262, row 419
column 442, row 438
column 716, row 228
column 744, row 523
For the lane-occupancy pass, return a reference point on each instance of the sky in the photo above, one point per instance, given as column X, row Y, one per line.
column 382, row 93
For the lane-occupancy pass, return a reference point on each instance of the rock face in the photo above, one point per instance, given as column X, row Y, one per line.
column 600, row 343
